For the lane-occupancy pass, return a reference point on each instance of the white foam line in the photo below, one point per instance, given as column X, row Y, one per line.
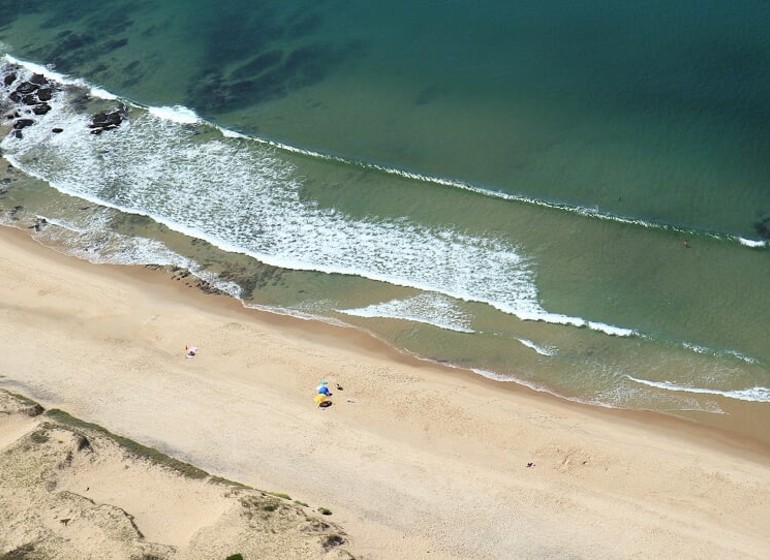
column 744, row 357
column 559, row 319
column 61, row 223
column 697, row 348
column 539, row 349
column 52, row 75
column 498, row 256
column 752, row 394
column 227, row 133
column 704, row 350
column 299, row 314
column 177, row 113
column 430, row 309
column 536, row 387
column 533, row 313
column 462, row 185
column 753, row 243
column 186, row 115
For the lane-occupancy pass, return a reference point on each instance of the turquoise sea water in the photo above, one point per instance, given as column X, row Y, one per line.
column 504, row 186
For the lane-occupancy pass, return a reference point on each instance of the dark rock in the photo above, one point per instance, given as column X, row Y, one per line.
column 107, row 121
column 101, row 120
column 26, row 87
column 9, row 79
column 44, row 94
column 38, row 79
column 57, row 130
column 41, row 109
column 23, row 123
column 39, row 223
column 30, row 99
column 15, row 97
column 18, row 134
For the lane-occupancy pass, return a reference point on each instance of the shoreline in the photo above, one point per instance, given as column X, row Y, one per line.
column 405, row 441
column 160, row 278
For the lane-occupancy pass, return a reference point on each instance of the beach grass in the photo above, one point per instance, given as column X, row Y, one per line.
column 23, row 552
column 137, row 449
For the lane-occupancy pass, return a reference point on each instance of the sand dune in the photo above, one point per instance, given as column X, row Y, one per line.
column 69, row 490
column 414, row 460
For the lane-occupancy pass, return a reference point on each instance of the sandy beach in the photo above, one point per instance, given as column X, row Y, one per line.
column 414, row 460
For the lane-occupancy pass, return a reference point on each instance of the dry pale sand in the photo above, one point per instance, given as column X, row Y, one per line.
column 415, row 460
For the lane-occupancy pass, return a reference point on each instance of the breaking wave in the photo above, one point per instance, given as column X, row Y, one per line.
column 753, row 394
column 245, row 197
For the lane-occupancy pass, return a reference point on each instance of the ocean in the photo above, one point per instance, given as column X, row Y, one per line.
column 574, row 197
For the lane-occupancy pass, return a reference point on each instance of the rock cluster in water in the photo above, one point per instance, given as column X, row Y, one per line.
column 107, row 121
column 28, row 98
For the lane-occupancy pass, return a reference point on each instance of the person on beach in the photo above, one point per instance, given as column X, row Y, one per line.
column 322, row 394
column 323, row 389
column 190, row 351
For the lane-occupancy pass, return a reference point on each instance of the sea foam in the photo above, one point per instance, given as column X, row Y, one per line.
column 177, row 114
column 246, row 198
column 542, row 350
column 753, row 394
column 431, row 309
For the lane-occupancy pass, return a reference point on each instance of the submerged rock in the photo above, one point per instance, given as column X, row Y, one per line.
column 38, row 79
column 23, row 123
column 41, row 108
column 762, row 228
column 26, row 87
column 101, row 120
column 107, row 121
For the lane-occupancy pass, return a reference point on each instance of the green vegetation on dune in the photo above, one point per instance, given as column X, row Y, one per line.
column 129, row 445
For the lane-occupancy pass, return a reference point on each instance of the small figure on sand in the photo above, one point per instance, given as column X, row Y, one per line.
column 190, row 351
column 686, row 244
column 323, row 394
column 323, row 389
